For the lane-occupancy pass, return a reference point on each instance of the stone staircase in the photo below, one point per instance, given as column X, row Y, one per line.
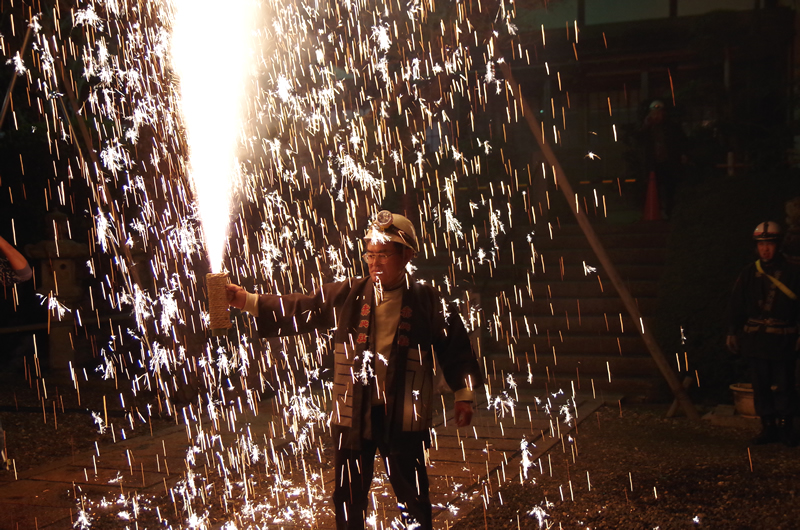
column 563, row 323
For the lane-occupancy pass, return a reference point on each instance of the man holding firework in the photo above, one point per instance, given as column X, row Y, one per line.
column 388, row 330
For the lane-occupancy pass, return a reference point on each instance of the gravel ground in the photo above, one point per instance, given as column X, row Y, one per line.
column 46, row 421
column 627, row 467
column 637, row 469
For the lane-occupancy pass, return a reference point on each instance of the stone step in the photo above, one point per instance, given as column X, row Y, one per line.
column 572, row 343
column 570, row 365
column 634, row 236
column 545, row 259
column 574, row 270
column 591, row 287
column 653, row 389
column 619, row 256
column 605, row 230
column 563, row 351
column 636, row 388
column 617, row 323
column 509, row 278
column 586, row 305
column 609, row 242
column 577, row 272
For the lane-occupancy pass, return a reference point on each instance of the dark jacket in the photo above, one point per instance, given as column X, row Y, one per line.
column 9, row 276
column 424, row 330
column 764, row 316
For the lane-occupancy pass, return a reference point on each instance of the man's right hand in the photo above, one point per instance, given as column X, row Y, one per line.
column 732, row 343
column 236, row 295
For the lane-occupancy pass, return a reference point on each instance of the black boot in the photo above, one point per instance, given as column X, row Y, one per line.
column 769, row 431
column 786, row 426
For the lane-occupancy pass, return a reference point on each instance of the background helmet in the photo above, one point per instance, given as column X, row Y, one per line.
column 793, row 213
column 767, row 231
column 388, row 226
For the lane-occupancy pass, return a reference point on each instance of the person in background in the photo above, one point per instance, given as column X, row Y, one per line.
column 664, row 144
column 790, row 245
column 763, row 326
column 388, row 328
column 14, row 268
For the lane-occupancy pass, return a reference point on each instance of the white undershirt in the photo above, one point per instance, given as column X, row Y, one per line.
column 387, row 318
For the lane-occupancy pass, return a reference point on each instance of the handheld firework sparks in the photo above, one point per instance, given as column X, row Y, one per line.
column 211, row 136
column 347, row 104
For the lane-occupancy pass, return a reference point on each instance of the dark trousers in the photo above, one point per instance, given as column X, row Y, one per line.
column 765, row 373
column 407, row 474
column 667, row 176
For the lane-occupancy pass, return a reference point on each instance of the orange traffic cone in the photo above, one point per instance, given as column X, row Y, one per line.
column 652, row 210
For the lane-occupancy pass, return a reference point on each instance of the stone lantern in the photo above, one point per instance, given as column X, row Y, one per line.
column 59, row 258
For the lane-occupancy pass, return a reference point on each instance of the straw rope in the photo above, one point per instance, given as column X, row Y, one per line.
column 218, row 312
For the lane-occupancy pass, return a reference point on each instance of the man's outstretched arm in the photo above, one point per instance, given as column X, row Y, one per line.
column 17, row 261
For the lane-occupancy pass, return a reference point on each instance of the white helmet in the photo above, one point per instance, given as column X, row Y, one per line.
column 767, row 231
column 388, row 226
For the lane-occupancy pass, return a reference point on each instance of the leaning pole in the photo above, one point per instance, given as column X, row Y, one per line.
column 630, row 304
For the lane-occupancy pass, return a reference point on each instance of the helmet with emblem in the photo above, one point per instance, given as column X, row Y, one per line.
column 388, row 226
column 767, row 231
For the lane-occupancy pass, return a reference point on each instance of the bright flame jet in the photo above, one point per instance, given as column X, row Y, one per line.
column 206, row 40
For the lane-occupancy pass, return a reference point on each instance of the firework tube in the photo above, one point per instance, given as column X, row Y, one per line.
column 219, row 315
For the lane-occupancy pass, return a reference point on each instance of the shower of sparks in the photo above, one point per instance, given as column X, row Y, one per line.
column 54, row 305
column 265, row 136
column 541, row 517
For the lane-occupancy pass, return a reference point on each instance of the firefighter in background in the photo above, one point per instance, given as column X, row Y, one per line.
column 763, row 318
column 664, row 146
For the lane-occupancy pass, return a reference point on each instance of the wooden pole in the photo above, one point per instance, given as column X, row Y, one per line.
column 630, row 304
column 7, row 99
column 687, row 382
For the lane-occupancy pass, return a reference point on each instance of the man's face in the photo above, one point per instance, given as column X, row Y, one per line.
column 767, row 249
column 390, row 271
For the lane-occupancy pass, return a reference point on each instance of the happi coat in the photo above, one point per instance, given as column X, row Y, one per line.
column 426, row 340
